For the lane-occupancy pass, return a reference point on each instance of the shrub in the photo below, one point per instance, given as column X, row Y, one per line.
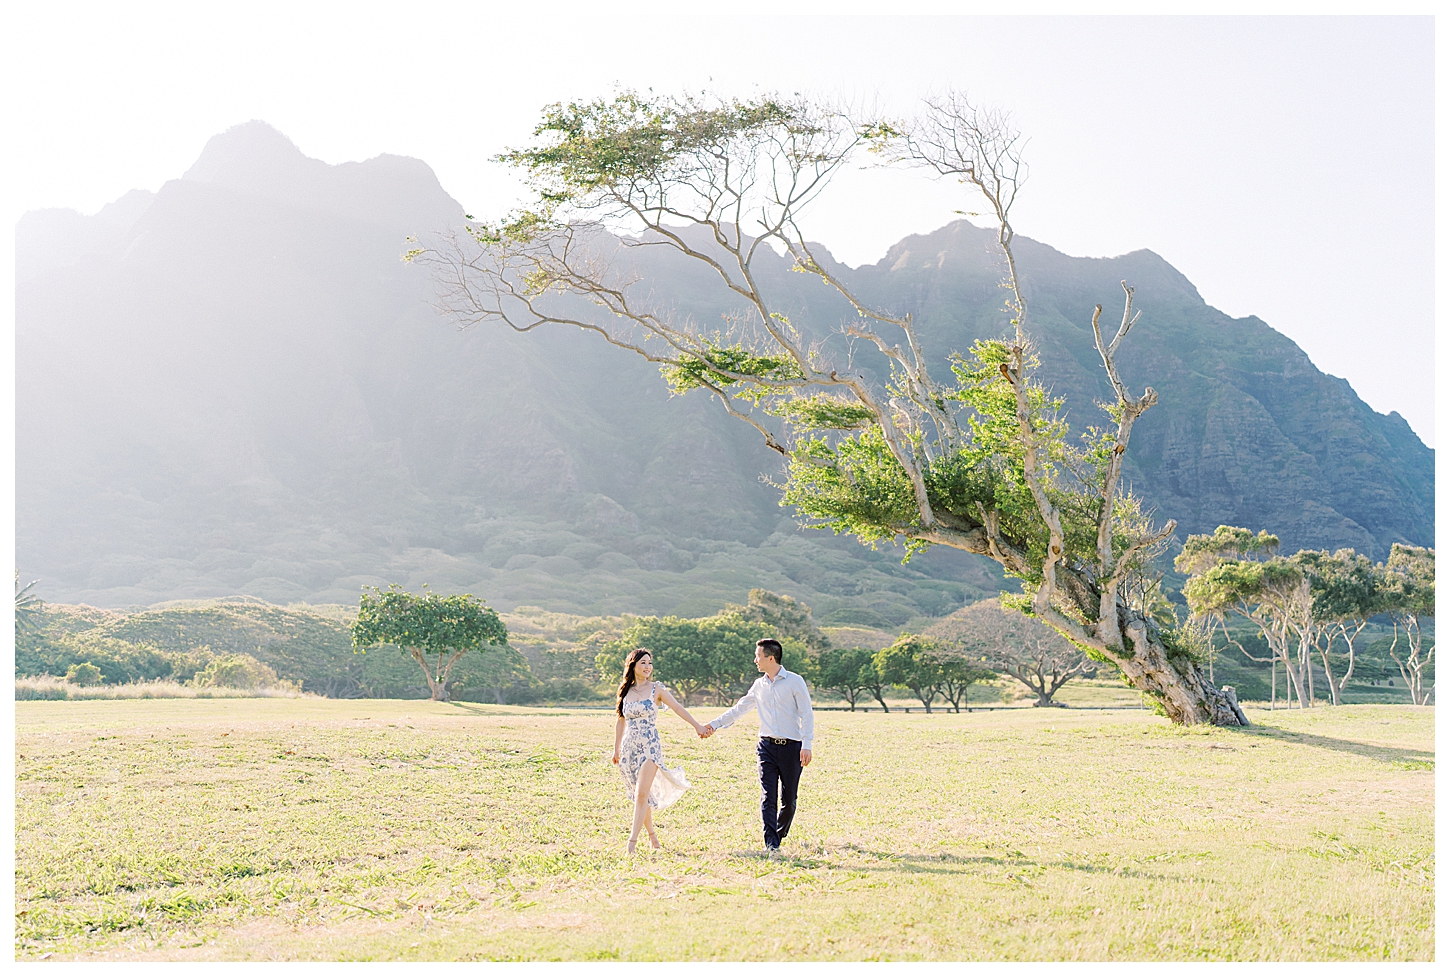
column 119, row 661
column 83, row 673
column 236, row 672
column 186, row 665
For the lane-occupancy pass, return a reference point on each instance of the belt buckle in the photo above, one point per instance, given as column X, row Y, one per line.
column 778, row 740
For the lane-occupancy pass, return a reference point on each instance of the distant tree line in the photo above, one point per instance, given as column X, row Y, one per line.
column 713, row 658
column 308, row 648
column 1313, row 605
column 1307, row 617
column 403, row 645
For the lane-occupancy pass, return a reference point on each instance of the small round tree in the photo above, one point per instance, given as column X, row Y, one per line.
column 236, row 672
column 83, row 673
column 434, row 629
column 912, row 662
column 848, row 672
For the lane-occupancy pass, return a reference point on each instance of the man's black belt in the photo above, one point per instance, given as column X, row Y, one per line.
column 779, row 740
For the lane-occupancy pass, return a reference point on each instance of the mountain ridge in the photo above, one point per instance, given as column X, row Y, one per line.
column 246, row 391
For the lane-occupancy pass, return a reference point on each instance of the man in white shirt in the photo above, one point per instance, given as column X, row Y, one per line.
column 787, row 726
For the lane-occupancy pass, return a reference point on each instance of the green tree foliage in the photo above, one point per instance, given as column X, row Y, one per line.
column 1408, row 586
column 309, row 646
column 958, row 674
column 711, row 656
column 1345, row 592
column 1273, row 594
column 784, row 616
column 1200, row 553
column 564, row 673
column 83, row 673
column 688, row 653
column 119, row 661
column 915, row 663
column 873, row 683
column 437, row 631
column 930, row 668
column 852, row 483
column 1301, row 605
column 497, row 669
column 236, row 672
column 848, row 672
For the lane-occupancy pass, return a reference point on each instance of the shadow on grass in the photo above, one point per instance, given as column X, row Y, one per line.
column 947, row 864
column 1389, row 754
column 508, row 709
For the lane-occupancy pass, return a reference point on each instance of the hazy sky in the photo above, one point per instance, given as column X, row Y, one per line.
column 1285, row 165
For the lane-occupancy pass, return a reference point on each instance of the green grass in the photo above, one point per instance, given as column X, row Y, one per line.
column 379, row 829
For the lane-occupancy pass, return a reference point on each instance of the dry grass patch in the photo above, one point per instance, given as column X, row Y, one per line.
column 52, row 687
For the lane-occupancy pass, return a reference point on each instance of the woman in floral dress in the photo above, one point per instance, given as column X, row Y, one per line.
column 637, row 749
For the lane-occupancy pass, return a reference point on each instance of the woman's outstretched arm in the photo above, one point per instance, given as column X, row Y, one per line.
column 618, row 736
column 680, row 710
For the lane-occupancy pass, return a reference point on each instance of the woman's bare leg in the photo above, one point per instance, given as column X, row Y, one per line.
column 641, row 800
column 649, row 827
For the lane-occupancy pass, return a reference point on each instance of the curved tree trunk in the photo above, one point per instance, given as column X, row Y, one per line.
column 1329, row 676
column 1296, row 679
column 1178, row 684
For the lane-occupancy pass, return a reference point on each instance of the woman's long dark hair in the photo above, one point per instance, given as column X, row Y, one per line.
column 628, row 681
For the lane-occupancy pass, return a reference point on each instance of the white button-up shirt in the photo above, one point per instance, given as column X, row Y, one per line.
column 784, row 704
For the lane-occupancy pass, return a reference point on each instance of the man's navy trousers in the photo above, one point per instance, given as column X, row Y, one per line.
column 780, row 778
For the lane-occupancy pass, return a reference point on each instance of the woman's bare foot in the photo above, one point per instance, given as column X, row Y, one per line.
column 654, row 841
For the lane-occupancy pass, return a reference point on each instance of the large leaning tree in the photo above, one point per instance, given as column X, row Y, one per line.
column 976, row 456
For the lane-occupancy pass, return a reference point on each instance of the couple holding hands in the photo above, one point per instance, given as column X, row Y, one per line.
column 786, row 728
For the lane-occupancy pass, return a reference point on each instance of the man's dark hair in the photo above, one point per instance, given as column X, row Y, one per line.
column 771, row 647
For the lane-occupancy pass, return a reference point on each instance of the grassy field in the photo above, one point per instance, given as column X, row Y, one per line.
column 256, row 829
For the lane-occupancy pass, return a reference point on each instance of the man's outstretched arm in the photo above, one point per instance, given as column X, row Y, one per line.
column 745, row 703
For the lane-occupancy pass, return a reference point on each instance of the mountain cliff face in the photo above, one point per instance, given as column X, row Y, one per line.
column 1247, row 430
column 234, row 386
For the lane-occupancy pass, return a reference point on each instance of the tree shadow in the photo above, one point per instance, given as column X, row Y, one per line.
column 492, row 709
column 473, row 709
column 1389, row 754
column 943, row 863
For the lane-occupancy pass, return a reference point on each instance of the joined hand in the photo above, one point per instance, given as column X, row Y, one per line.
column 705, row 731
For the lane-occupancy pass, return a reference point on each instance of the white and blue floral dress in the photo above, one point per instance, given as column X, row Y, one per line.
column 641, row 743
